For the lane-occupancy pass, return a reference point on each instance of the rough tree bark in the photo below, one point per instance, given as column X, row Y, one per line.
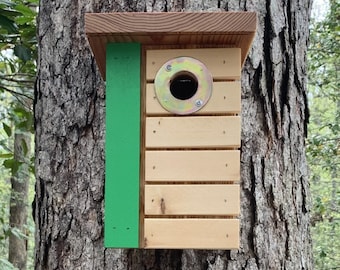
column 69, row 118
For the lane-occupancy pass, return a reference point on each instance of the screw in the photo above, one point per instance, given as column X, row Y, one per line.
column 168, row 68
column 198, row 103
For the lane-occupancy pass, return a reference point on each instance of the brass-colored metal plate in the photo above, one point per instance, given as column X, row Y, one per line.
column 186, row 66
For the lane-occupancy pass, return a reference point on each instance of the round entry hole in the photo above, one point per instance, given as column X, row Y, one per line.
column 183, row 85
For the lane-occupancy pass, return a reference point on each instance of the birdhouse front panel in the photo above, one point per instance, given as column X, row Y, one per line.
column 191, row 161
column 173, row 126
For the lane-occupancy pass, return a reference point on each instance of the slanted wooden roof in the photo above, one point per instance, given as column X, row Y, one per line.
column 219, row 29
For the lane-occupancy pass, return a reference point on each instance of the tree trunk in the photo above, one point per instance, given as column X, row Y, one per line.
column 70, row 128
column 17, row 248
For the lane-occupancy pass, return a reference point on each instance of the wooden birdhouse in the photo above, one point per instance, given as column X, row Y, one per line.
column 173, row 126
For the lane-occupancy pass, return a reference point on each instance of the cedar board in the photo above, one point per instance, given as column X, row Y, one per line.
column 192, row 166
column 214, row 29
column 225, row 99
column 206, row 200
column 191, row 233
column 193, row 132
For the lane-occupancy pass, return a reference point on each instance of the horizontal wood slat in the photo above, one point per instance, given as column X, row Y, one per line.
column 223, row 63
column 225, row 99
column 191, row 233
column 210, row 200
column 222, row 165
column 193, row 132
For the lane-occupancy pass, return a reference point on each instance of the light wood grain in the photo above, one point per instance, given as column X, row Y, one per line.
column 207, row 166
column 213, row 200
column 172, row 22
column 222, row 63
column 192, row 233
column 193, row 132
column 225, row 99
column 228, row 29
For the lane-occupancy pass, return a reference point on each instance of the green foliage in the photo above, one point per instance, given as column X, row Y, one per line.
column 323, row 146
column 7, row 129
column 6, row 265
column 4, row 212
column 18, row 53
column 17, row 28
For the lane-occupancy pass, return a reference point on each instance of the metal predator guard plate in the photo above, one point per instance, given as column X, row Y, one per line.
column 183, row 67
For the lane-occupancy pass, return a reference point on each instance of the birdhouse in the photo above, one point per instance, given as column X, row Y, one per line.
column 173, row 126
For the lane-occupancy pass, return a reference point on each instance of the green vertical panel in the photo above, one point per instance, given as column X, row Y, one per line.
column 122, row 145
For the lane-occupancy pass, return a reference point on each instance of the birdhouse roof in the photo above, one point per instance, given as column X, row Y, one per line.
column 170, row 30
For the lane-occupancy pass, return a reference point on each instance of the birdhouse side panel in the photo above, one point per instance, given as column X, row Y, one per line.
column 122, row 146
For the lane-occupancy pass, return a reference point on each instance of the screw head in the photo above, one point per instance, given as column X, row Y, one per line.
column 198, row 103
column 168, row 68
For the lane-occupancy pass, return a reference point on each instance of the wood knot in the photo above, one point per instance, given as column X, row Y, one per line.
column 162, row 206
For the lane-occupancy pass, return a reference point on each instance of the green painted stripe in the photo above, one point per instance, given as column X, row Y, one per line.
column 122, row 150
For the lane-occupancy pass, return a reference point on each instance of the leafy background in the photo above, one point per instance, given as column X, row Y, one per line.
column 18, row 54
column 324, row 139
